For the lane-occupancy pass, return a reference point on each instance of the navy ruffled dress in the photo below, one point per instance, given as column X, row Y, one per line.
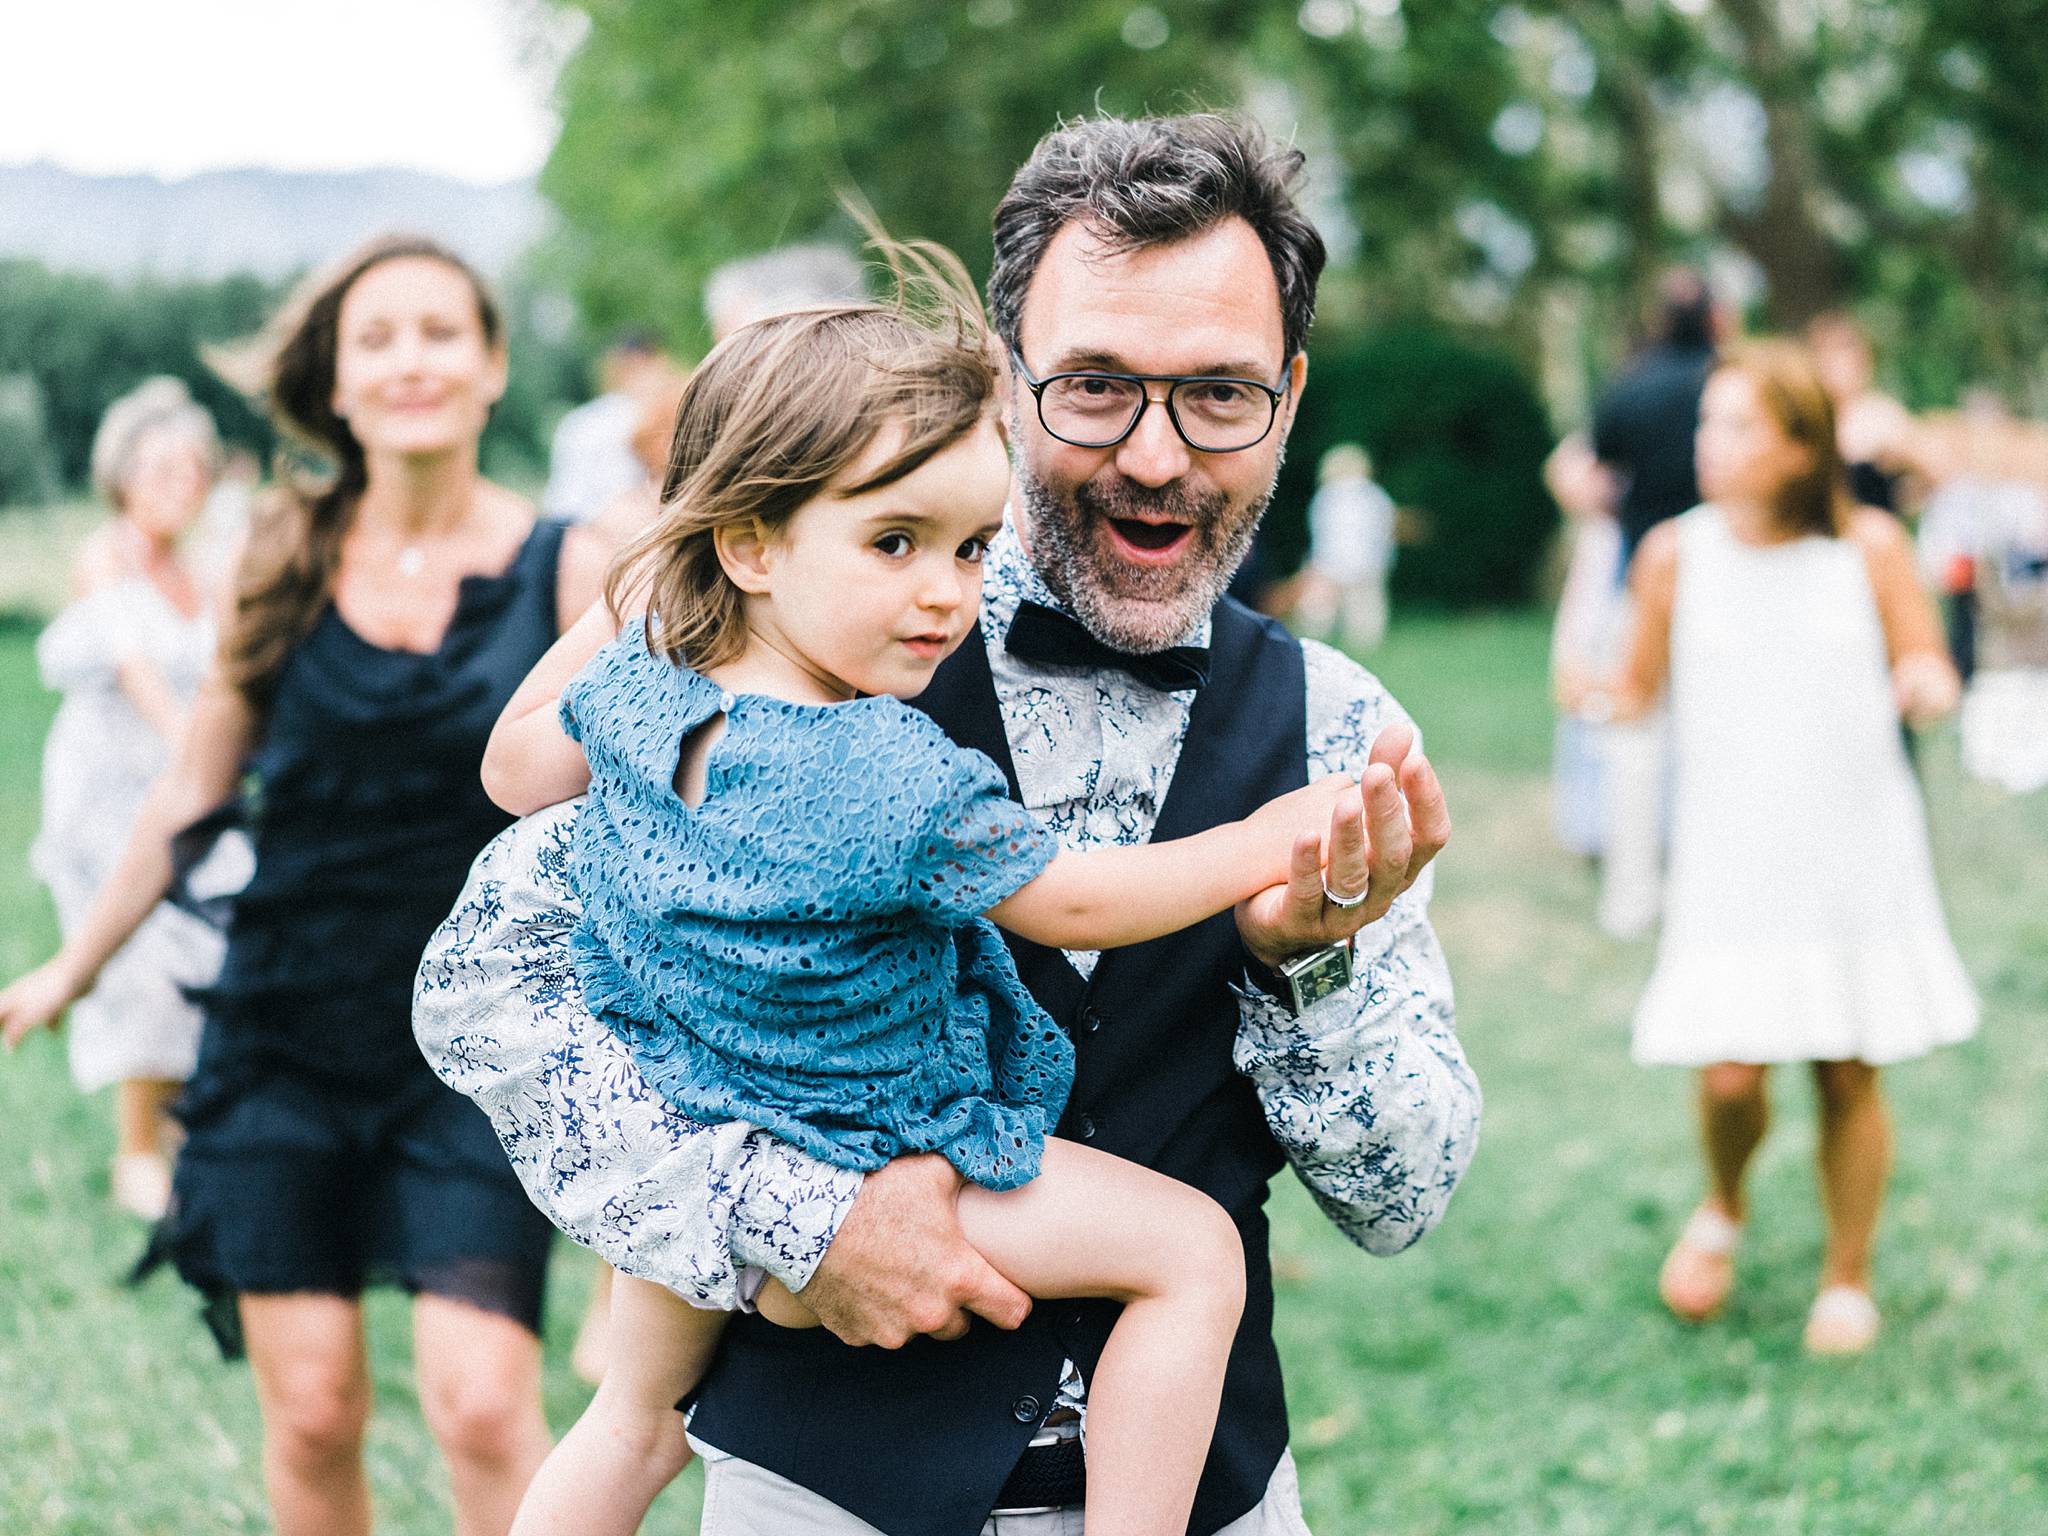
column 322, row 1153
column 804, row 950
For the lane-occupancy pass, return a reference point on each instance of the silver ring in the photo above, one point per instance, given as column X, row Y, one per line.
column 1344, row 903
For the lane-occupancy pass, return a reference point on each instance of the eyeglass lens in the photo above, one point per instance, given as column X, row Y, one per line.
column 1094, row 410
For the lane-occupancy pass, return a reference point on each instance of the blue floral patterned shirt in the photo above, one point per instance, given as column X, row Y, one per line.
column 1368, row 1093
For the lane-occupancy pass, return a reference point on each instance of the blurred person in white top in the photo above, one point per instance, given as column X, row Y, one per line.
column 1343, row 593
column 591, row 462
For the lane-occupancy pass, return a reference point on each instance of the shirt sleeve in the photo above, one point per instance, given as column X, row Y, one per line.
column 1368, row 1092
column 499, row 1014
column 978, row 846
column 87, row 644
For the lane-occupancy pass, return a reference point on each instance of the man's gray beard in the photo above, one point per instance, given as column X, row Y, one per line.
column 1157, row 607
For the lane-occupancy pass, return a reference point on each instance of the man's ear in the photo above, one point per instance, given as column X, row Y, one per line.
column 746, row 553
column 1297, row 380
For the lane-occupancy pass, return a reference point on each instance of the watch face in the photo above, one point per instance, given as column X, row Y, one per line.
column 1315, row 976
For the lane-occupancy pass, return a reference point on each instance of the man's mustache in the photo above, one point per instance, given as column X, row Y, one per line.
column 1124, row 497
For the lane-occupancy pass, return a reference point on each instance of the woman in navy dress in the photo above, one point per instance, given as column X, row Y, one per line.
column 380, row 621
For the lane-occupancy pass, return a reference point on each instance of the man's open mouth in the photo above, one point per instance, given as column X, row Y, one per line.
column 1150, row 537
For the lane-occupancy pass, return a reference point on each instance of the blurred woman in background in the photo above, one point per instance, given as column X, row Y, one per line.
column 127, row 654
column 380, row 620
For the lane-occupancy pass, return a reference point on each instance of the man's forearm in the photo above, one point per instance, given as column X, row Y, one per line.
column 1369, row 1092
column 500, row 1016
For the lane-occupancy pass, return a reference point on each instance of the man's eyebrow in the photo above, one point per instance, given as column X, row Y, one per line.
column 1080, row 359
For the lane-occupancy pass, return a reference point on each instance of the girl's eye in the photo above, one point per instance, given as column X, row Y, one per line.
column 894, row 544
column 973, row 550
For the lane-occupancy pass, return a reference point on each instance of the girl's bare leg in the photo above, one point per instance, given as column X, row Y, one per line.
column 1734, row 1114
column 1855, row 1161
column 1095, row 1225
column 479, row 1384
column 629, row 1444
column 313, row 1388
column 586, row 1358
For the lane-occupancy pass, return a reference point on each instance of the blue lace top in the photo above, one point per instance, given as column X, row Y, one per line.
column 803, row 950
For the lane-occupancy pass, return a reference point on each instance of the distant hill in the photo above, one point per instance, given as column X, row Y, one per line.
column 268, row 222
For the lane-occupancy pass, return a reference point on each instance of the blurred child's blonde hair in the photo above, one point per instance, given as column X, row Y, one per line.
column 781, row 410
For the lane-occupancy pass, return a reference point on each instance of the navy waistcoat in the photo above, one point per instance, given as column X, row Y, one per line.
column 917, row 1441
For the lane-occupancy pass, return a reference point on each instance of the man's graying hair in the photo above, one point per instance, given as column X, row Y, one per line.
column 1151, row 182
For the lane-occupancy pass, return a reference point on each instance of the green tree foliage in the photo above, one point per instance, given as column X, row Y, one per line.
column 1521, row 167
column 83, row 341
column 28, row 475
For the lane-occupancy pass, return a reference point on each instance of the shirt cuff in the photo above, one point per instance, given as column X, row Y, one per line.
column 789, row 1210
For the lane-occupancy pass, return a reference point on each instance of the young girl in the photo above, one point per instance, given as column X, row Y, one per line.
column 783, row 871
column 1802, row 921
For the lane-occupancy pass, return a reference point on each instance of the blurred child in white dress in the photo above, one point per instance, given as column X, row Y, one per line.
column 1802, row 923
column 127, row 654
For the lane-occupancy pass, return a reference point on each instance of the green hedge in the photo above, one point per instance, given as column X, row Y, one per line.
column 1457, row 437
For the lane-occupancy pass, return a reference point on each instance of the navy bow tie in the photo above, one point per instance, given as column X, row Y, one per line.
column 1052, row 638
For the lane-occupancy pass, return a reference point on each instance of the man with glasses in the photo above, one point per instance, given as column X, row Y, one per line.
column 1154, row 282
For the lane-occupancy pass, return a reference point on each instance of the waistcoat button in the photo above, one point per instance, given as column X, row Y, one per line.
column 1091, row 1021
column 1025, row 1410
column 1087, row 1127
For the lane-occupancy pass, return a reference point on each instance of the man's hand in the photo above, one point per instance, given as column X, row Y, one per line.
column 1379, row 848
column 899, row 1265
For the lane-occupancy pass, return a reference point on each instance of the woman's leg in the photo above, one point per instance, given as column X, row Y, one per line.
column 1734, row 1114
column 1095, row 1225
column 479, row 1385
column 141, row 1114
column 1855, row 1161
column 629, row 1444
column 313, row 1387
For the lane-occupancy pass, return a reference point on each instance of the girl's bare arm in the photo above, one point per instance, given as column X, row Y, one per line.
column 531, row 762
column 1924, row 680
column 1113, row 896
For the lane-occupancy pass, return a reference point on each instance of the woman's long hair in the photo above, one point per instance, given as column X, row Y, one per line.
column 1789, row 387
column 286, row 576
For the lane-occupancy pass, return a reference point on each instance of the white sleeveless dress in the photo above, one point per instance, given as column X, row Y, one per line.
column 1801, row 918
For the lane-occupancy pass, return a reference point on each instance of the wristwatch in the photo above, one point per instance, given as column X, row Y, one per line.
column 1301, row 981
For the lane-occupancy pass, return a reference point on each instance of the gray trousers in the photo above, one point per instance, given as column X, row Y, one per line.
column 741, row 1499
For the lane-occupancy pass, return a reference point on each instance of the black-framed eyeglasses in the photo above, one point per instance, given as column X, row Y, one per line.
column 1213, row 413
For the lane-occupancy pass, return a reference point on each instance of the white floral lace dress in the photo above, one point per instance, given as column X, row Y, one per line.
column 98, row 762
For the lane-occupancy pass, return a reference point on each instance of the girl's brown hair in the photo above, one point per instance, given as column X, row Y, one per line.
column 1789, row 387
column 781, row 410
column 294, row 543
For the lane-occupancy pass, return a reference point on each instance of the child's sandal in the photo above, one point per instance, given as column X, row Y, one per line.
column 1843, row 1321
column 1699, row 1272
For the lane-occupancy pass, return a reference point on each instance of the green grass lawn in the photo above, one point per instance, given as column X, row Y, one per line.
column 1513, row 1373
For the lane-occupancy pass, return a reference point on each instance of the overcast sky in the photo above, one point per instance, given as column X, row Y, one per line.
column 176, row 86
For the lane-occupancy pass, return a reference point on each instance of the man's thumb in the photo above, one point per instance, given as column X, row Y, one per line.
column 993, row 1297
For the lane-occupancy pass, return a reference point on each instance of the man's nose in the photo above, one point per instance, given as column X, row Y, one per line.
column 1154, row 455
